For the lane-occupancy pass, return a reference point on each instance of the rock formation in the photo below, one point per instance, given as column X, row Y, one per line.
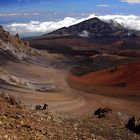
column 12, row 45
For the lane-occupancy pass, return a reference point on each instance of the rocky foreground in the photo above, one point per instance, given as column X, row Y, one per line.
column 20, row 123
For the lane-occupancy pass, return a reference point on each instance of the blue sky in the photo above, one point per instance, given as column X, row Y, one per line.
column 68, row 6
column 26, row 11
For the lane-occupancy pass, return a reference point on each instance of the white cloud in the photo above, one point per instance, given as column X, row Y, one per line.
column 8, row 14
column 18, row 14
column 43, row 27
column 128, row 21
column 105, row 5
column 131, row 1
column 36, row 27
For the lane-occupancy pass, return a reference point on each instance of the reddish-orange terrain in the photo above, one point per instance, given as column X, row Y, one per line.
column 125, row 76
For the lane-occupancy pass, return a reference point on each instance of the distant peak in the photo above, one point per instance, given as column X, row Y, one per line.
column 94, row 27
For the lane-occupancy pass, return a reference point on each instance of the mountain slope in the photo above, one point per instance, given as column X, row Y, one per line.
column 92, row 28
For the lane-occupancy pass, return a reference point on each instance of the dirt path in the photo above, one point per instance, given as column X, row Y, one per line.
column 67, row 101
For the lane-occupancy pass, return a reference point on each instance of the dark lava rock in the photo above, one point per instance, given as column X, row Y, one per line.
column 45, row 106
column 38, row 107
column 101, row 112
column 137, row 129
column 133, row 125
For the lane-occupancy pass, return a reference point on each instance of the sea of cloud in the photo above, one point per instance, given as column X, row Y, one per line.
column 131, row 1
column 37, row 28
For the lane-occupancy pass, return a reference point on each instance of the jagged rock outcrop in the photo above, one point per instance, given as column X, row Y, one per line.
column 12, row 45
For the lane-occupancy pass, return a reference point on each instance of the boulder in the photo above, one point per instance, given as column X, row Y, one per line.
column 133, row 125
column 38, row 107
column 45, row 106
column 101, row 112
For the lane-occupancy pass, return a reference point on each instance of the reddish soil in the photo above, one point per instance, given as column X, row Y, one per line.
column 126, row 75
